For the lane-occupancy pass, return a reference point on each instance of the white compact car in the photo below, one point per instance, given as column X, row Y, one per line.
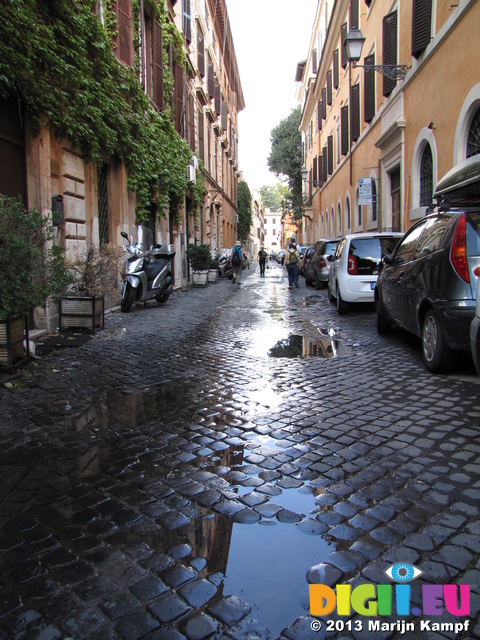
column 355, row 267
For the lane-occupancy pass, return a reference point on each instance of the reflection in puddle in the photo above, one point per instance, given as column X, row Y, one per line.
column 267, row 567
column 325, row 345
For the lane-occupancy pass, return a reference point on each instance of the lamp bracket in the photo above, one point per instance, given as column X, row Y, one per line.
column 392, row 71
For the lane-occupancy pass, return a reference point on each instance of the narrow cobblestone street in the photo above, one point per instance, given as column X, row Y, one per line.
column 186, row 473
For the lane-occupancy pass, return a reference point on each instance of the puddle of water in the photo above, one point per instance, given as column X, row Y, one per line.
column 267, row 567
column 325, row 345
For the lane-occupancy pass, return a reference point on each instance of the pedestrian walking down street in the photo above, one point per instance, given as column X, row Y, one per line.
column 237, row 262
column 262, row 257
column 291, row 264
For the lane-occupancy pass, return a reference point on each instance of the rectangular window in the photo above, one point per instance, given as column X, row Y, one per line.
column 389, row 49
column 200, row 53
column 315, row 174
column 421, row 26
column 369, row 90
column 355, row 112
column 336, row 70
column 225, row 118
column 210, row 79
column 217, row 98
column 201, row 136
column 191, row 122
column 324, row 164
column 179, row 100
column 158, row 65
column 324, row 103
column 187, row 20
column 344, row 128
column 319, row 115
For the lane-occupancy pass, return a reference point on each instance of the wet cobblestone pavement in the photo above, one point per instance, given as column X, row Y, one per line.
column 184, row 474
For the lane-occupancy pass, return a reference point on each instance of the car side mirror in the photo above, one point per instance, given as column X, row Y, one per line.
column 330, row 258
column 388, row 259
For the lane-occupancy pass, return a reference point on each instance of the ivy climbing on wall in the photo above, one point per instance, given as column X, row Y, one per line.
column 56, row 57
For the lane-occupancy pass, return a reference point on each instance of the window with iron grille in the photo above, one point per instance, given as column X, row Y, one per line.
column 395, row 180
column 426, row 177
column 473, row 139
column 103, row 235
column 389, row 49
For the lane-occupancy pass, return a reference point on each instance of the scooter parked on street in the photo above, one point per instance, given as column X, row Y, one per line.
column 148, row 272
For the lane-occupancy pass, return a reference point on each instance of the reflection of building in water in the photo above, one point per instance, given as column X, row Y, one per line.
column 300, row 346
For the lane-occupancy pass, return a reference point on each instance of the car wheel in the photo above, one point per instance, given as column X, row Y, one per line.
column 342, row 306
column 318, row 282
column 383, row 325
column 331, row 297
column 437, row 356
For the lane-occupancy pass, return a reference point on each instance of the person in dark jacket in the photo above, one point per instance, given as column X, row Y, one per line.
column 262, row 258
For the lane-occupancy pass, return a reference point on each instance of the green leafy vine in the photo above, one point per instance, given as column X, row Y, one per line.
column 57, row 59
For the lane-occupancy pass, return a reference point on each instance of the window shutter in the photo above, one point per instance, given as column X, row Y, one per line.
column 344, row 130
column 329, row 87
column 314, row 61
column 225, row 119
column 319, row 115
column 353, row 14
column 123, row 42
column 201, row 53
column 191, row 122
column 201, row 136
column 210, row 79
column 421, row 26
column 187, row 20
column 158, row 65
column 369, row 90
column 389, row 49
column 330, row 154
column 324, row 164
column 343, row 35
column 324, row 103
column 336, row 70
column 217, row 98
column 179, row 101
column 315, row 175
column 355, row 111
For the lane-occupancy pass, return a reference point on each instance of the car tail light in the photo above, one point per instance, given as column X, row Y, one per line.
column 352, row 265
column 322, row 264
column 458, row 252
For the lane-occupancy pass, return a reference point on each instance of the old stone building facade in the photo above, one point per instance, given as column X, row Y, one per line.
column 91, row 202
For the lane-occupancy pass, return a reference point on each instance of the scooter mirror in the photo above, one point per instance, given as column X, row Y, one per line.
column 124, row 235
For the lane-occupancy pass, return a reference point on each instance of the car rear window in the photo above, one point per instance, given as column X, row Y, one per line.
column 473, row 234
column 330, row 248
column 365, row 254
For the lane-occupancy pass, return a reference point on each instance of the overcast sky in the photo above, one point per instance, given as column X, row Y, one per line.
column 270, row 37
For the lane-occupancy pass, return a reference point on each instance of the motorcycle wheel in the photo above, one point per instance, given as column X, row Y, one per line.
column 162, row 298
column 128, row 296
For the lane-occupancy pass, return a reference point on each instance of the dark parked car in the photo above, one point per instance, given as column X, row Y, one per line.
column 428, row 285
column 316, row 271
column 305, row 254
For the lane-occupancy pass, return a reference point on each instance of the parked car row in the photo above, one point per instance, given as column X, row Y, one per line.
column 425, row 281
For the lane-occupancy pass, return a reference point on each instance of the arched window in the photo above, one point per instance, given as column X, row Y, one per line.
column 349, row 222
column 332, row 224
column 339, row 218
column 473, row 139
column 426, row 177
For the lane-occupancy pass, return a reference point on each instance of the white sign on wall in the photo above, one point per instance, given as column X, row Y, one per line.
column 365, row 191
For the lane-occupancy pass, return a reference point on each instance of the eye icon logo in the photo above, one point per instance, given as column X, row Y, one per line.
column 403, row 572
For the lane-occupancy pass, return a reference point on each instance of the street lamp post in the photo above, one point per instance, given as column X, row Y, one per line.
column 354, row 44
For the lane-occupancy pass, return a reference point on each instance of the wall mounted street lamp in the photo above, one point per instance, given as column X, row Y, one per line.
column 310, row 183
column 354, row 43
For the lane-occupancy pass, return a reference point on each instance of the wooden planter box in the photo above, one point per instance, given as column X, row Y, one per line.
column 82, row 313
column 200, row 278
column 12, row 336
column 213, row 275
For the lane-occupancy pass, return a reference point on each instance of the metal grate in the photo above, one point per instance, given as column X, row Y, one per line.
column 395, row 180
column 426, row 177
column 473, row 140
column 103, row 205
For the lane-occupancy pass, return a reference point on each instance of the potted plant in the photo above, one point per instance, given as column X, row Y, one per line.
column 32, row 269
column 213, row 271
column 94, row 274
column 199, row 257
